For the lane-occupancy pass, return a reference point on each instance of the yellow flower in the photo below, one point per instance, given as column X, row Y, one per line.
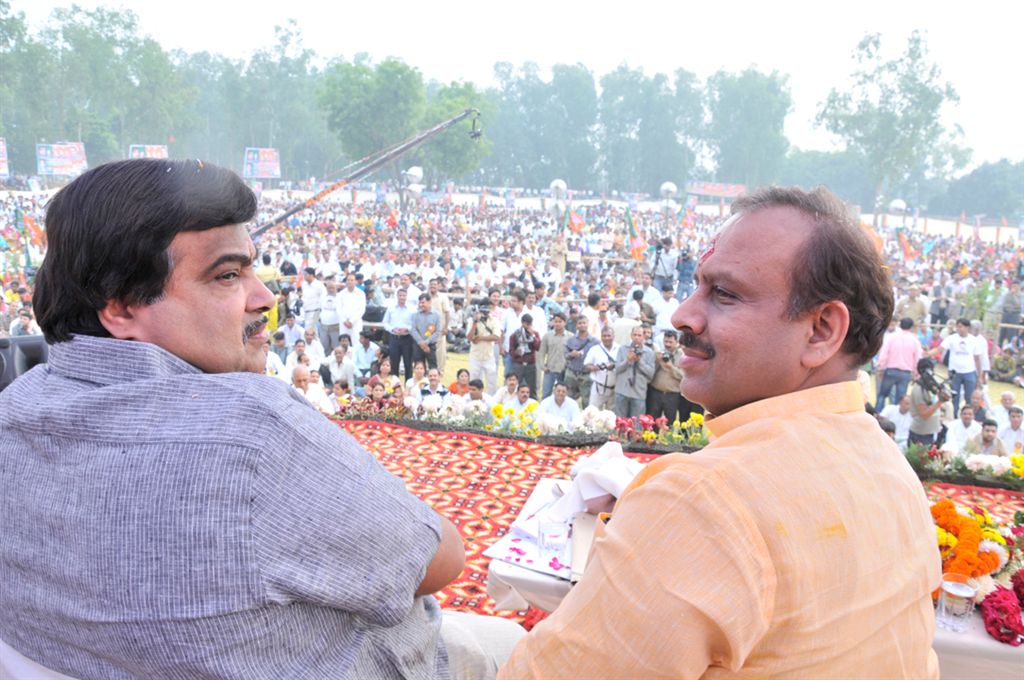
column 992, row 535
column 531, row 408
column 697, row 418
column 649, row 436
column 496, row 411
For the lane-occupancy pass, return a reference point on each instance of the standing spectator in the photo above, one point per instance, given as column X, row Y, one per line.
column 350, row 304
column 912, row 306
column 964, row 362
column 663, row 392
column 634, row 368
column 663, row 264
column 398, row 322
column 926, row 410
column 313, row 294
column 685, row 267
column 522, row 348
column 426, row 331
column 577, row 380
column 600, row 364
column 1010, row 307
column 942, row 300
column 441, row 304
column 511, row 322
column 896, row 363
column 551, row 358
column 483, row 338
column 329, row 326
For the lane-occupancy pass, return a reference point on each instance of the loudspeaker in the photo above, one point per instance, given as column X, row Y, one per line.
column 19, row 354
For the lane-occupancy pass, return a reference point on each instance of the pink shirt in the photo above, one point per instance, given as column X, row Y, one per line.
column 902, row 351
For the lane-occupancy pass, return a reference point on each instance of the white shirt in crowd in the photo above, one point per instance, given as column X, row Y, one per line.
column 569, row 411
column 1013, row 440
column 597, row 355
column 962, row 351
column 957, row 435
column 313, row 294
column 350, row 306
column 900, row 420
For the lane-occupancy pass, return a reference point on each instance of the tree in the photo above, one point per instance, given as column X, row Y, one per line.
column 371, row 107
column 993, row 189
column 891, row 115
column 843, row 172
column 748, row 112
column 453, row 154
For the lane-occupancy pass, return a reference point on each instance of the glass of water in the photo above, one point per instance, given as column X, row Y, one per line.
column 956, row 603
column 554, row 536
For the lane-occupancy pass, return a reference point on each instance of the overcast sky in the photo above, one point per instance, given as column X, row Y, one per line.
column 977, row 45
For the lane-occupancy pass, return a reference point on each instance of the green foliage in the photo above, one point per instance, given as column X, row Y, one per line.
column 891, row 115
column 844, row 172
column 992, row 189
column 453, row 154
column 745, row 132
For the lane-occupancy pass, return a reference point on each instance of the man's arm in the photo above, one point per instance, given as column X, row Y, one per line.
column 448, row 562
column 647, row 364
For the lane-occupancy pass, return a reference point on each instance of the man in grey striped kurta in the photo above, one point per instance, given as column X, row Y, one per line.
column 166, row 511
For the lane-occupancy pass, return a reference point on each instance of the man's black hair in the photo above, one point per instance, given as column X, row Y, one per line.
column 109, row 231
column 477, row 383
column 266, row 258
column 906, row 323
column 638, row 295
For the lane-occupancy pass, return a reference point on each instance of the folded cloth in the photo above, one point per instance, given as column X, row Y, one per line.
column 597, row 481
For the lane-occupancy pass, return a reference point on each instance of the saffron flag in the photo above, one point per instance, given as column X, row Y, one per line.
column 637, row 244
column 576, row 222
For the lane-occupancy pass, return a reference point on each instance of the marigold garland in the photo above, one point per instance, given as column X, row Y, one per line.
column 965, row 558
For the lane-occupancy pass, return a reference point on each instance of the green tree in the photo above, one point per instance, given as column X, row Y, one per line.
column 993, row 189
column 453, row 154
column 621, row 113
column 844, row 172
column 745, row 133
column 371, row 107
column 892, row 116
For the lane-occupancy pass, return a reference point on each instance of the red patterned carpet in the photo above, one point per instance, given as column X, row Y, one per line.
column 1001, row 503
column 479, row 483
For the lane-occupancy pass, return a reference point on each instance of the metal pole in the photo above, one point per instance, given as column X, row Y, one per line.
column 382, row 158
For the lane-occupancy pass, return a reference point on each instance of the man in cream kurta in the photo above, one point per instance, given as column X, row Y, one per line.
column 799, row 542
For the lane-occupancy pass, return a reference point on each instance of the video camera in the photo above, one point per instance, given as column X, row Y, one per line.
column 929, row 383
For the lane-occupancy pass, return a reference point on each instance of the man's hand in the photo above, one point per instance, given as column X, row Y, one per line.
column 425, row 347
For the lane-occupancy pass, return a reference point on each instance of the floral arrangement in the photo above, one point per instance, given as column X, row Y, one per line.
column 973, row 544
column 651, row 430
column 1005, row 472
column 388, row 409
column 506, row 419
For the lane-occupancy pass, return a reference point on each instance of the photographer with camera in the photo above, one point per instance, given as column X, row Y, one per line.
column 663, row 396
column 600, row 365
column 634, row 368
column 552, row 354
column 522, row 348
column 926, row 402
column 663, row 267
column 484, row 333
column 577, row 380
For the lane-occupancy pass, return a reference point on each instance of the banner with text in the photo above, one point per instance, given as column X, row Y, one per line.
column 66, row 159
column 261, row 163
column 715, row 189
column 147, row 151
column 5, row 169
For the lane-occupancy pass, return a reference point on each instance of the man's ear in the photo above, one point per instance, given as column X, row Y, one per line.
column 119, row 319
column 829, row 324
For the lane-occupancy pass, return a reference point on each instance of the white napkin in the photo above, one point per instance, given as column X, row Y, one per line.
column 597, row 481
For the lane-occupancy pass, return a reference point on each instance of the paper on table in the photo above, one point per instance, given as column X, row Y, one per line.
column 521, row 550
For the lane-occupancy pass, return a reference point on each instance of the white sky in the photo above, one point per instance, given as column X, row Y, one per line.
column 977, row 45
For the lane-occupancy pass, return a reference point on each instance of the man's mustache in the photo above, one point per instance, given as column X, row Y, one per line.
column 254, row 327
column 688, row 340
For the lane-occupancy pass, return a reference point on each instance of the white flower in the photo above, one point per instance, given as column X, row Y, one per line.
column 548, row 423
column 996, row 465
column 604, row 421
column 477, row 407
column 432, row 403
column 410, row 403
column 983, row 585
